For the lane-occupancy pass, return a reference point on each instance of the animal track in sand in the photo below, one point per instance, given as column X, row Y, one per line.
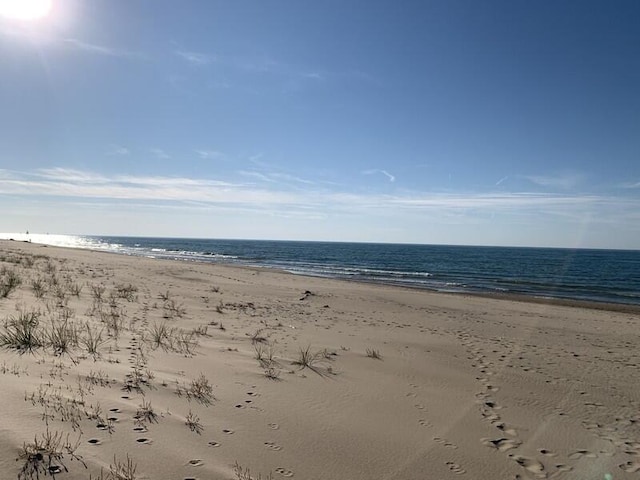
column 228, row 431
column 492, row 404
column 140, row 429
column 196, row 462
column 284, row 472
column 425, row 423
column 531, row 465
column 492, row 417
column 506, row 429
column 547, row 452
column 273, row 446
column 213, row 444
column 455, row 468
column 274, row 426
column 581, row 453
column 239, row 405
column 419, row 406
column 94, row 441
column 445, row 442
column 501, row 444
column 630, row 467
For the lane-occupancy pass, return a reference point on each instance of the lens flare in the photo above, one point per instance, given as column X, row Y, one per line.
column 25, row 9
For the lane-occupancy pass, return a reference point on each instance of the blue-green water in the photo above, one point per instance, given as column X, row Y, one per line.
column 595, row 275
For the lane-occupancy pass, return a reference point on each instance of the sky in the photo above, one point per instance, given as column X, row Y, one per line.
column 505, row 122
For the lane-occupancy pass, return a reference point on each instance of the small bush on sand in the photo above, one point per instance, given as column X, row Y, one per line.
column 374, row 353
column 310, row 360
column 193, row 422
column 45, row 455
column 9, row 281
column 22, row 333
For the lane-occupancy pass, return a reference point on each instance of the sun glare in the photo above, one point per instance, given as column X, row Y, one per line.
column 25, row 9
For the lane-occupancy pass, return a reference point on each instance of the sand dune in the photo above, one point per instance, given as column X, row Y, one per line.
column 215, row 372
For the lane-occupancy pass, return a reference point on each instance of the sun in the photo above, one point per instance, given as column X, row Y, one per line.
column 25, row 9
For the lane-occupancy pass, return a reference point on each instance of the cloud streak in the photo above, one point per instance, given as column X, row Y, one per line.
column 84, row 186
column 195, row 59
column 87, row 47
column 564, row 181
column 391, row 178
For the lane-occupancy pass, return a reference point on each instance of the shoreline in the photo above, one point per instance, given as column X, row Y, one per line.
column 514, row 297
column 205, row 370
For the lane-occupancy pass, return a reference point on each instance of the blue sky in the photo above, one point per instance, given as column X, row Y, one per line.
column 460, row 122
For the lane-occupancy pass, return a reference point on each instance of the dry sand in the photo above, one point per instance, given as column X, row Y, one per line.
column 469, row 387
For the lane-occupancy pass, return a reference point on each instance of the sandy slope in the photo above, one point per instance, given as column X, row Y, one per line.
column 466, row 386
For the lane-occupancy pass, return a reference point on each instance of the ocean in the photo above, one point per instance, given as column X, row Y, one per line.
column 579, row 274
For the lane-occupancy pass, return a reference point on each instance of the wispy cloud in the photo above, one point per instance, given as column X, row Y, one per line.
column 502, row 180
column 383, row 172
column 83, row 186
column 563, row 181
column 159, row 153
column 98, row 49
column 209, row 154
column 195, row 58
column 118, row 150
column 630, row 185
column 275, row 177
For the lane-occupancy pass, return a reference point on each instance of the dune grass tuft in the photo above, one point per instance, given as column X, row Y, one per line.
column 374, row 353
column 23, row 333
column 45, row 455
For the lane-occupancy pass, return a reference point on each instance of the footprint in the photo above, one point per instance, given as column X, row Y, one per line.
column 504, row 428
column 115, row 410
column 140, row 429
column 274, row 426
column 582, row 453
column 284, row 472
column 502, row 444
column 445, row 443
column 419, row 406
column 531, row 465
column 547, row 452
column 228, row 431
column 196, row 462
column 424, row 423
column 214, row 444
column 492, row 417
column 273, row 446
column 561, row 470
column 455, row 468
column 239, row 405
column 630, row 467
column 144, row 441
column 94, row 441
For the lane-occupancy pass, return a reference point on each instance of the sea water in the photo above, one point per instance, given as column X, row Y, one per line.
column 581, row 274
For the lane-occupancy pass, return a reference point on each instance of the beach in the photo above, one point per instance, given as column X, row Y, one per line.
column 186, row 370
